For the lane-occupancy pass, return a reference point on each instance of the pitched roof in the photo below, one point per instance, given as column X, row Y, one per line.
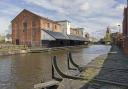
column 56, row 35
column 73, row 37
column 63, row 21
column 61, row 36
column 35, row 15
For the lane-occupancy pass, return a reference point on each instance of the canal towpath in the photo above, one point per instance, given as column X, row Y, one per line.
column 107, row 71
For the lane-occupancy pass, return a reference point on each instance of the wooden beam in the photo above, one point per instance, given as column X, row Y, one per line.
column 46, row 84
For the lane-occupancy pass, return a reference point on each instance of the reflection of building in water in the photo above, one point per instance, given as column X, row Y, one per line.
column 33, row 30
column 30, row 69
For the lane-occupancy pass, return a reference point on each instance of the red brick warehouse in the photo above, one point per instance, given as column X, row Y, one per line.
column 26, row 28
column 33, row 30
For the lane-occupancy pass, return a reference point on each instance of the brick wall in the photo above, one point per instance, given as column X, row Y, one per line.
column 22, row 34
column 125, row 22
column 50, row 25
column 76, row 32
column 125, row 31
column 125, row 46
column 26, row 28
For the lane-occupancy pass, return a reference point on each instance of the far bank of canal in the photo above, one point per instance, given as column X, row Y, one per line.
column 24, row 70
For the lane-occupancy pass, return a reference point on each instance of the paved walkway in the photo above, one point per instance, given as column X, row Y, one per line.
column 113, row 69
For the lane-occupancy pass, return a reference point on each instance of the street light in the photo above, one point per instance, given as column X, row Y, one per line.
column 119, row 29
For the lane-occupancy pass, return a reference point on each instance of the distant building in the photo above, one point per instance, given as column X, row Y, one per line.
column 76, row 31
column 68, row 30
column 107, row 37
column 2, row 39
column 93, row 39
column 8, row 38
column 87, row 36
column 31, row 29
column 74, row 34
column 65, row 26
column 117, row 39
column 114, row 38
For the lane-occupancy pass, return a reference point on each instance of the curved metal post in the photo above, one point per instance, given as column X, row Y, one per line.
column 62, row 74
column 74, row 64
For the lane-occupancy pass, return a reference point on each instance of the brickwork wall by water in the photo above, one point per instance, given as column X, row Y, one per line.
column 126, row 46
column 24, row 36
column 27, row 26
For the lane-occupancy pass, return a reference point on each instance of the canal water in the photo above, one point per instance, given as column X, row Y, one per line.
column 24, row 70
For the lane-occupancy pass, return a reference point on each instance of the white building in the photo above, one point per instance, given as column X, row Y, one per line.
column 68, row 30
column 65, row 26
column 8, row 38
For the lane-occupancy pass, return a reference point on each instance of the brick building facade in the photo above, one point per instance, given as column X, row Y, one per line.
column 76, row 31
column 26, row 28
column 31, row 29
column 125, row 31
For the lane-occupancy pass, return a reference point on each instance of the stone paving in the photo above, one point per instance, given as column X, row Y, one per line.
column 114, row 68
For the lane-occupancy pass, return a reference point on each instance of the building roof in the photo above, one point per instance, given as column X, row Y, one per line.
column 56, row 35
column 73, row 37
column 36, row 15
column 78, row 28
column 63, row 21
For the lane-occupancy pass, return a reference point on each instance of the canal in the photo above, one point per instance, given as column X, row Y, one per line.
column 24, row 70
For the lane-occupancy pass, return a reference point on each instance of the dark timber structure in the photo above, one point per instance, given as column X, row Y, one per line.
column 55, row 67
column 59, row 39
column 70, row 61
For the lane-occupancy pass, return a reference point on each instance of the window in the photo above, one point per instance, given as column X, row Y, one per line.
column 48, row 25
column 55, row 27
column 14, row 27
column 33, row 32
column 33, row 23
column 24, row 26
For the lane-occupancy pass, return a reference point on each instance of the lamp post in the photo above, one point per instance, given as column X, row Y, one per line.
column 119, row 29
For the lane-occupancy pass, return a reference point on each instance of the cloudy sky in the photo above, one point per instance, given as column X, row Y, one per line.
column 93, row 15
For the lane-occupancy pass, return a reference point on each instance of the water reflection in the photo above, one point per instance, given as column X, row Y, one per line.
column 23, row 71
